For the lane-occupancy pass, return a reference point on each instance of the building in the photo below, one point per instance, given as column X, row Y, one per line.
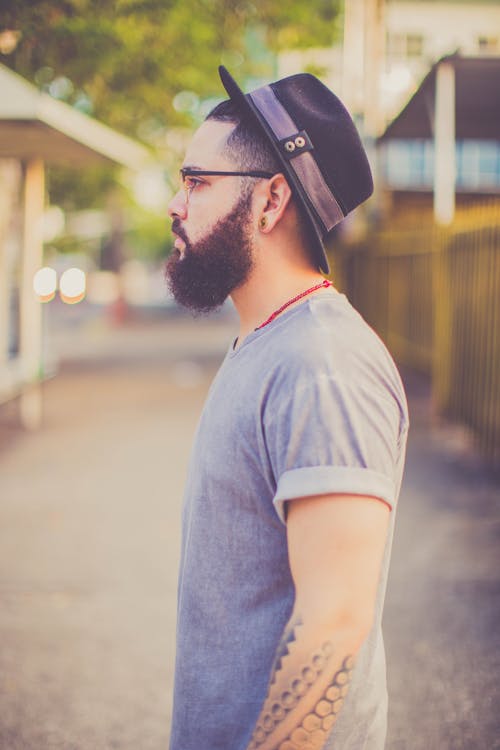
column 388, row 47
column 34, row 129
column 444, row 146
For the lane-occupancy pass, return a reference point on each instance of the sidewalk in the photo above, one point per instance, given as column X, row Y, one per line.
column 443, row 603
column 89, row 543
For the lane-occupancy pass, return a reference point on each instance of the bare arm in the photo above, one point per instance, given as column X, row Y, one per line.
column 335, row 545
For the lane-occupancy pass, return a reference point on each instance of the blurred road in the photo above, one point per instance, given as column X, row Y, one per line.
column 89, row 543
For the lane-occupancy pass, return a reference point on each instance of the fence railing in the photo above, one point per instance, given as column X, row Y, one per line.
column 433, row 295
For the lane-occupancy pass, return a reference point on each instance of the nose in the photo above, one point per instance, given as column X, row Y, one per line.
column 178, row 205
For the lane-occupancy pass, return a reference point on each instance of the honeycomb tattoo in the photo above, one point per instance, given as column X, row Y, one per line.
column 316, row 725
column 288, row 637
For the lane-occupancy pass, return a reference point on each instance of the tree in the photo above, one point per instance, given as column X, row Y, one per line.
column 126, row 60
column 147, row 67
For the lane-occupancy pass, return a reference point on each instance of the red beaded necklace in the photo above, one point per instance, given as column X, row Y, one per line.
column 324, row 284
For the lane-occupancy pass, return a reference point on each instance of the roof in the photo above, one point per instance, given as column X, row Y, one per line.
column 33, row 124
column 477, row 103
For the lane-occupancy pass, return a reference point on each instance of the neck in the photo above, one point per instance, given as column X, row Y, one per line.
column 264, row 293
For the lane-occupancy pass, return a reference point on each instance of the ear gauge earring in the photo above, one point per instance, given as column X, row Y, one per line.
column 263, row 222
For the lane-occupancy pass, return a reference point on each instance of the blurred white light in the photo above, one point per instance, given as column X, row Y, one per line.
column 53, row 223
column 88, row 224
column 151, row 190
column 397, row 80
column 8, row 41
column 45, row 284
column 83, row 103
column 72, row 285
column 232, row 59
column 186, row 101
column 61, row 88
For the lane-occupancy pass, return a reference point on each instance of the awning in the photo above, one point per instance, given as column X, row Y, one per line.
column 34, row 125
column 477, row 97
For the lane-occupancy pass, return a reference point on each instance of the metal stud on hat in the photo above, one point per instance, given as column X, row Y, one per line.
column 318, row 147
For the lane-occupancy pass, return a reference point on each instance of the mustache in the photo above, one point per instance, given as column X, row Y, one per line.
column 178, row 230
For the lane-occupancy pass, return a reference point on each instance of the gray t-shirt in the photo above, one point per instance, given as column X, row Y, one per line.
column 310, row 404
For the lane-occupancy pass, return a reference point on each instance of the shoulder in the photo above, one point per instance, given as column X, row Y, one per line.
column 327, row 334
column 327, row 340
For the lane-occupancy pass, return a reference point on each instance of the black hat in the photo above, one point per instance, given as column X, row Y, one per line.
column 317, row 145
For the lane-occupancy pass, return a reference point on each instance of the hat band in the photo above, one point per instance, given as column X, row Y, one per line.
column 304, row 164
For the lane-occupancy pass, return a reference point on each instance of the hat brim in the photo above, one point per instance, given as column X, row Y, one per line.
column 245, row 103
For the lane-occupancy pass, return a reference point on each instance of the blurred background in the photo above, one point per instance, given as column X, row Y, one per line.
column 102, row 376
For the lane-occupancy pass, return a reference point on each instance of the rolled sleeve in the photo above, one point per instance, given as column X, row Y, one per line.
column 333, row 436
column 325, row 480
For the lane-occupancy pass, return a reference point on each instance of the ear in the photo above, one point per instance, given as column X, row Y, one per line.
column 275, row 198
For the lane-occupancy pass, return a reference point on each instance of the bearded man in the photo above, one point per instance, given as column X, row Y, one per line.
column 298, row 458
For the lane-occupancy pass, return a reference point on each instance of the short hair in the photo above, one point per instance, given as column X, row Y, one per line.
column 246, row 146
column 249, row 149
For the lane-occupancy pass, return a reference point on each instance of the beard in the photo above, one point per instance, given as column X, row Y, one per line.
column 216, row 264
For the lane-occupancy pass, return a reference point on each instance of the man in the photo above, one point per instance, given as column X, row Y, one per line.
column 297, row 463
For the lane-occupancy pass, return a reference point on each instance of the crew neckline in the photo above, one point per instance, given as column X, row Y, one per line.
column 329, row 294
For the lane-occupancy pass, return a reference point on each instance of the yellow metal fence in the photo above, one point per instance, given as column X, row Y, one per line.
column 433, row 295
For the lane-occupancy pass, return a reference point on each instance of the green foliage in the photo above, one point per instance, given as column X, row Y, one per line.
column 300, row 25
column 147, row 66
column 131, row 57
column 150, row 237
column 69, row 193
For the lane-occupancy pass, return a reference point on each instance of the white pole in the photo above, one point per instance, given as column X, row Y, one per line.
column 444, row 144
column 373, row 65
column 30, row 307
column 353, row 56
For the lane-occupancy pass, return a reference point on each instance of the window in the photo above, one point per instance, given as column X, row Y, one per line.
column 414, row 45
column 403, row 45
column 488, row 44
column 409, row 165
